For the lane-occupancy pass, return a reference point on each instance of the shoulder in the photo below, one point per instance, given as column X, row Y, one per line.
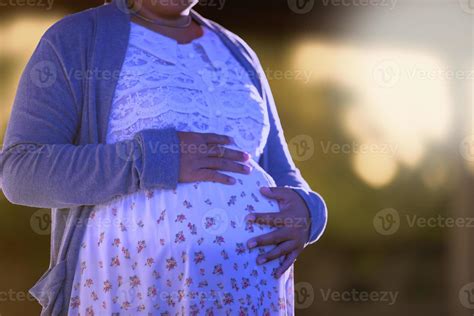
column 77, row 30
column 74, row 36
column 73, row 27
column 66, row 46
column 236, row 40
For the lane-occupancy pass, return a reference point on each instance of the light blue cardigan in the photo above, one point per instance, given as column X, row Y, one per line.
column 55, row 155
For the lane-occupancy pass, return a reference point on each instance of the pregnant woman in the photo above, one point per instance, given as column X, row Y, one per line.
column 152, row 134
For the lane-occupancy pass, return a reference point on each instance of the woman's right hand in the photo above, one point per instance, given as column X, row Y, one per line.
column 203, row 155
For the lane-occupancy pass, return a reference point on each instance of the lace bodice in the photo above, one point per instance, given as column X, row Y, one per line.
column 198, row 86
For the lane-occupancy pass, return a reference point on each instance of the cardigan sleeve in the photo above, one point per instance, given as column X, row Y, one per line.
column 40, row 166
column 279, row 164
column 277, row 161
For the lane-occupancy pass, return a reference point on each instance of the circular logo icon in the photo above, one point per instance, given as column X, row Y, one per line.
column 466, row 295
column 127, row 152
column 466, row 148
column 215, row 77
column 467, row 6
column 130, row 6
column 387, row 221
column 40, row 221
column 215, row 221
column 304, row 295
column 301, row 6
column 387, row 73
column 129, row 294
column 43, row 74
column 301, row 147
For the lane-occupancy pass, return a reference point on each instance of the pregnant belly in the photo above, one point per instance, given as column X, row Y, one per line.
column 202, row 220
column 193, row 216
column 198, row 210
column 185, row 246
column 183, row 249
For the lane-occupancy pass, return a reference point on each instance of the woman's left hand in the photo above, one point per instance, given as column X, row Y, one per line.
column 293, row 221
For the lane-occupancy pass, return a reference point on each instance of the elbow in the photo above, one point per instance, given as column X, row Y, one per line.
column 13, row 182
column 8, row 183
column 8, row 188
column 322, row 217
column 319, row 216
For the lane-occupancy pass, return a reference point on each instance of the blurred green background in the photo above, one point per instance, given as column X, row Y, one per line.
column 375, row 98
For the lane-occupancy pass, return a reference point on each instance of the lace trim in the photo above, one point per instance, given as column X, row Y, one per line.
column 193, row 93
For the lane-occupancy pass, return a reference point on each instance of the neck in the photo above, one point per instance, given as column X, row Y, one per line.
column 156, row 14
column 179, row 22
column 154, row 10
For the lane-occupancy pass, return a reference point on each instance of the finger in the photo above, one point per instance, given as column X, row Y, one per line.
column 212, row 175
column 227, row 153
column 272, row 238
column 212, row 138
column 289, row 260
column 277, row 193
column 225, row 165
column 282, row 249
column 274, row 219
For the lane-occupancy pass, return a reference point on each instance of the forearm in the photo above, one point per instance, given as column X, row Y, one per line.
column 279, row 164
column 65, row 175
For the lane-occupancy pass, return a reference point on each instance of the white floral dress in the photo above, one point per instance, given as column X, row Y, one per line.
column 183, row 251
